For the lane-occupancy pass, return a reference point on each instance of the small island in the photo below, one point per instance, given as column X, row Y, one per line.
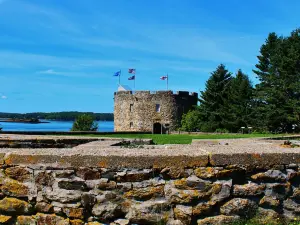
column 14, row 120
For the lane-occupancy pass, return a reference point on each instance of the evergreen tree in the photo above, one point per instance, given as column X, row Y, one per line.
column 278, row 93
column 239, row 102
column 214, row 99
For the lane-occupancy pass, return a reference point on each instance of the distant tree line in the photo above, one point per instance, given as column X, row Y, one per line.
column 273, row 105
column 61, row 116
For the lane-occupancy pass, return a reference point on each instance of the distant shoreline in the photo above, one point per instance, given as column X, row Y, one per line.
column 18, row 121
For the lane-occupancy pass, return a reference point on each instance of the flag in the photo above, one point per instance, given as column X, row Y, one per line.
column 131, row 71
column 131, row 78
column 164, row 77
column 116, row 74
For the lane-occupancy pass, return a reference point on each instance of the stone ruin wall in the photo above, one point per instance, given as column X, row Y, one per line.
column 144, row 115
column 43, row 190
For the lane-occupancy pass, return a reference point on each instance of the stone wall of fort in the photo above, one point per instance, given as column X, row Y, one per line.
column 104, row 182
column 94, row 195
column 139, row 111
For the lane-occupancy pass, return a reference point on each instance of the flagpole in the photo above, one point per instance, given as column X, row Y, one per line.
column 167, row 81
column 120, row 77
column 134, row 80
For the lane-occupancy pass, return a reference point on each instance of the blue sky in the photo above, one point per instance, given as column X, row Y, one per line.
column 60, row 55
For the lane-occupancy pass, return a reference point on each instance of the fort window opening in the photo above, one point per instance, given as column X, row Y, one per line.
column 131, row 124
column 157, row 107
column 131, row 107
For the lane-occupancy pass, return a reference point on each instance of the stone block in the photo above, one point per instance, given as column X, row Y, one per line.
column 5, row 219
column 26, row 220
column 269, row 202
column 44, row 207
column 134, row 176
column 149, row 212
column 202, row 209
column 240, row 207
column 88, row 173
column 15, row 206
column 270, row 176
column 51, row 219
column 183, row 213
column 19, row 173
column 145, row 193
column 218, row 220
column 107, row 211
column 248, row 190
column 74, row 213
column 63, row 196
column 72, row 184
column 14, row 188
column 221, row 191
column 192, row 183
column 76, row 222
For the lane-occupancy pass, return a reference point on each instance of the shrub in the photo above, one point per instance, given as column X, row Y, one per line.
column 84, row 123
column 221, row 130
column 190, row 121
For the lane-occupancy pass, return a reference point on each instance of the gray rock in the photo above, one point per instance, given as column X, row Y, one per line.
column 174, row 222
column 278, row 190
column 197, row 183
column 134, row 175
column 72, row 184
column 125, row 186
column 121, row 222
column 88, row 200
column 291, row 205
column 239, row 206
column 63, row 173
column 202, row 209
column 218, row 220
column 148, row 212
column 63, row 196
column 224, row 192
column 106, row 196
column 250, row 190
column 107, row 211
column 270, row 176
column 177, row 196
column 149, row 183
column 183, row 213
column 87, row 173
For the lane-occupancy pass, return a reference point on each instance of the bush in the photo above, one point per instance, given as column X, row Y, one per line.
column 190, row 121
column 221, row 130
column 84, row 123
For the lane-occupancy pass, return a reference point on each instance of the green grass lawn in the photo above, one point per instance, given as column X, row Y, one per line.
column 182, row 138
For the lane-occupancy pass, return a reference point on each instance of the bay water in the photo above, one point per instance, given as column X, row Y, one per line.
column 104, row 126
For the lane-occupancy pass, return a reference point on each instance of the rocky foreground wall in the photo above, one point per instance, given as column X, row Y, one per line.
column 203, row 195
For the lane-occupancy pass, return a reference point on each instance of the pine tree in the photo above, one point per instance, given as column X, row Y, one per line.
column 213, row 100
column 239, row 103
column 278, row 93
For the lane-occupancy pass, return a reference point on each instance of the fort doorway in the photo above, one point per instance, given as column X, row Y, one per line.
column 158, row 128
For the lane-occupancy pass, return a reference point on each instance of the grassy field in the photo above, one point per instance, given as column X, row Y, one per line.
column 183, row 138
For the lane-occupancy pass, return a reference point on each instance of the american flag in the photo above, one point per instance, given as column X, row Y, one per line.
column 131, row 71
column 164, row 77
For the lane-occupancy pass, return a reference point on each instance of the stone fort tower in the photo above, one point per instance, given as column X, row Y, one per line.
column 148, row 111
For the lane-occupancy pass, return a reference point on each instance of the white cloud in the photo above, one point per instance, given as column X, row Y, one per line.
column 3, row 97
column 50, row 71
